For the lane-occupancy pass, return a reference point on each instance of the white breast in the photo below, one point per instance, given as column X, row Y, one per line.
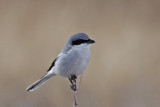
column 74, row 62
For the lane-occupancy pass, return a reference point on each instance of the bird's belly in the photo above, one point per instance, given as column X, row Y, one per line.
column 72, row 68
column 73, row 64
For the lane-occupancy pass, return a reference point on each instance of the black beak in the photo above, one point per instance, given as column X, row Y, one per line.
column 91, row 41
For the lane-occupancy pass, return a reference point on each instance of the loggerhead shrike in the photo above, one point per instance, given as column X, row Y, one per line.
column 71, row 62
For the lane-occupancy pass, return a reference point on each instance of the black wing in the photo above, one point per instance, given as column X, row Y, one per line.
column 53, row 63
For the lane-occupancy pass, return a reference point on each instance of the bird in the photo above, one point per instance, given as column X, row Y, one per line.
column 70, row 62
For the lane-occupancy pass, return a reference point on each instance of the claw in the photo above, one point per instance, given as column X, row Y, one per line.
column 73, row 82
column 74, row 87
column 73, row 77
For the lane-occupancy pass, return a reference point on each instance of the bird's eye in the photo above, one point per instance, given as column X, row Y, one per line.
column 79, row 41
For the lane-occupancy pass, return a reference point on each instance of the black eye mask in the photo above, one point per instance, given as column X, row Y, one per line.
column 80, row 41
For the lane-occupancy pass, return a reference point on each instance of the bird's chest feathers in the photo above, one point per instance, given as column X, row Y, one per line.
column 83, row 53
column 74, row 62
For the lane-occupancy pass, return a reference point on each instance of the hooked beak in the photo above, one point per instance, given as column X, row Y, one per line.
column 91, row 41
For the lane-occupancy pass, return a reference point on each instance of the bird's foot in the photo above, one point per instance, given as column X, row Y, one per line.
column 73, row 77
column 73, row 82
column 74, row 87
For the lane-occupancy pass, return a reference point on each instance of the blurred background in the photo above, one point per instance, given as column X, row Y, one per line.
column 124, row 70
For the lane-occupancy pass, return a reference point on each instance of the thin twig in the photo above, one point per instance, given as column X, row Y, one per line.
column 76, row 91
column 75, row 99
column 75, row 104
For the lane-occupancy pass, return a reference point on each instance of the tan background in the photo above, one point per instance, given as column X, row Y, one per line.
column 124, row 70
